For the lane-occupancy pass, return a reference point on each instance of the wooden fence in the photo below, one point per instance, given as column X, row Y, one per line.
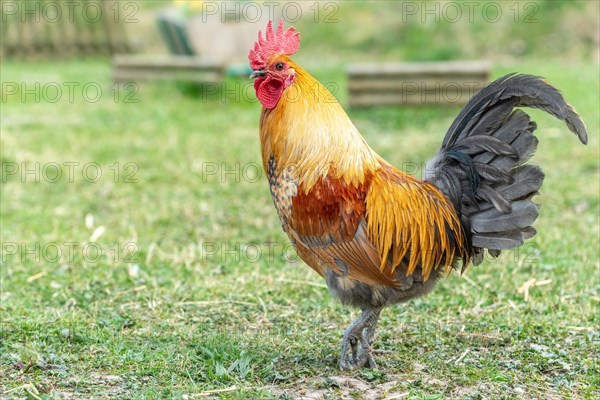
column 61, row 29
column 427, row 83
column 170, row 68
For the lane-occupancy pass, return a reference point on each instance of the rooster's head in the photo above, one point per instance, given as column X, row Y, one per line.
column 270, row 64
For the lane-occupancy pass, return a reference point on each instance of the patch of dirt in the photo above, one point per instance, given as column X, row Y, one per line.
column 346, row 387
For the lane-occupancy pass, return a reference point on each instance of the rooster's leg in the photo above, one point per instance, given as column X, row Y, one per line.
column 369, row 335
column 362, row 330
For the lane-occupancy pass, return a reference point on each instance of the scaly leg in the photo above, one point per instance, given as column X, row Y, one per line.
column 362, row 330
column 369, row 334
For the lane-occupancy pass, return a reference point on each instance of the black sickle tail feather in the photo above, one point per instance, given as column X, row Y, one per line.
column 481, row 165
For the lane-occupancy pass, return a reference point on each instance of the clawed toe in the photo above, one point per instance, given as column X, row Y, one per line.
column 356, row 343
column 359, row 355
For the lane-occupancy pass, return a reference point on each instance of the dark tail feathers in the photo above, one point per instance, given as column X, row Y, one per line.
column 481, row 164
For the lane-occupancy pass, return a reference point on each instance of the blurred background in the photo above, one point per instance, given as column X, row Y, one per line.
column 404, row 30
column 135, row 215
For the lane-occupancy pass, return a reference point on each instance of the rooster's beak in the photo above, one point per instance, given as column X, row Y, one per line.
column 257, row 73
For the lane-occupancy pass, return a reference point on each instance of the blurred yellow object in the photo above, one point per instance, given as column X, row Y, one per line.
column 190, row 5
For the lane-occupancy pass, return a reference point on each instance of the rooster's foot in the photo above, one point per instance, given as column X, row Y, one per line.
column 356, row 353
column 357, row 340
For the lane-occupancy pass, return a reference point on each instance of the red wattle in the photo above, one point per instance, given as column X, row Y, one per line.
column 268, row 91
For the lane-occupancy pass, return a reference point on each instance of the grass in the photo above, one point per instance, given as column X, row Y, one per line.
column 197, row 289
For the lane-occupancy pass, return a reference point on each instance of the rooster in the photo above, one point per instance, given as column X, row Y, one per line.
column 377, row 235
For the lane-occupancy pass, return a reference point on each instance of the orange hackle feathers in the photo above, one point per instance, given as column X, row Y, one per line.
column 310, row 133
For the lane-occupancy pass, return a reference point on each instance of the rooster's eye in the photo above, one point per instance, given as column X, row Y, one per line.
column 279, row 66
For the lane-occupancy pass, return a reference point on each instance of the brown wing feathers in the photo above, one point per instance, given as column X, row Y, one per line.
column 367, row 231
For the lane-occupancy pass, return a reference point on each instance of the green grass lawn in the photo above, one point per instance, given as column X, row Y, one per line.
column 196, row 288
column 154, row 265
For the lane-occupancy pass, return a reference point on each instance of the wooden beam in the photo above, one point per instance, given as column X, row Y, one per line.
column 174, row 68
column 423, row 83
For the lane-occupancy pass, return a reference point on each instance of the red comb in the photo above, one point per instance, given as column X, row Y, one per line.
column 279, row 42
